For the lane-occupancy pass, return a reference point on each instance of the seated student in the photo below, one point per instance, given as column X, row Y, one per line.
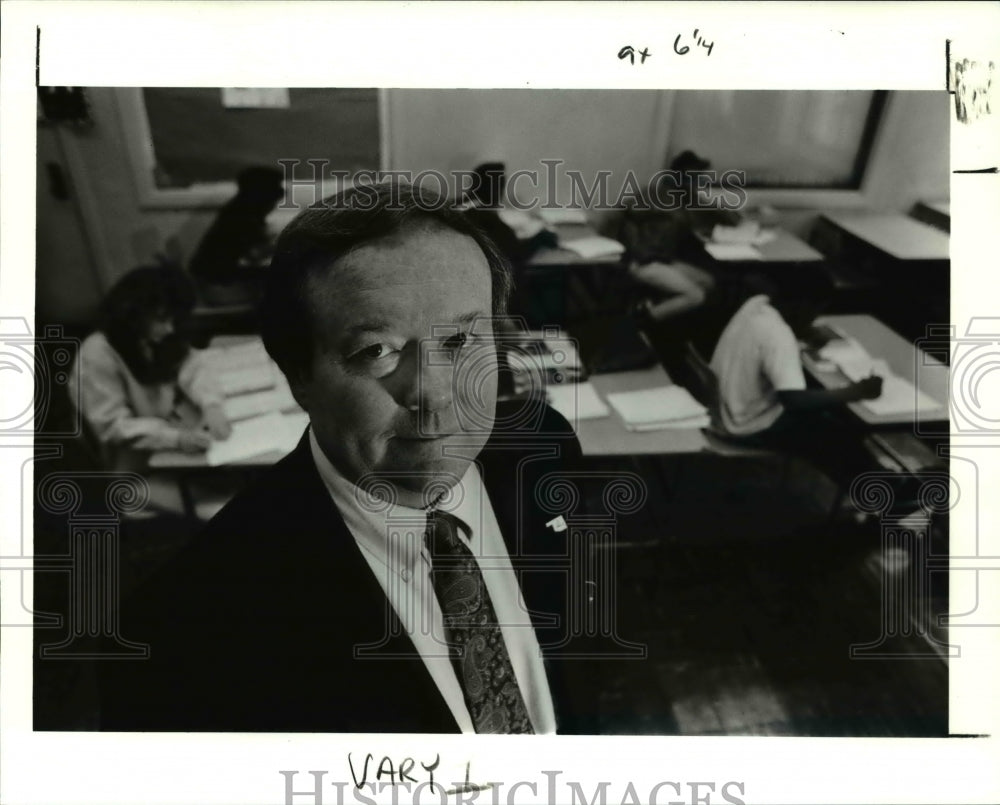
column 762, row 389
column 228, row 260
column 141, row 386
column 516, row 234
column 657, row 239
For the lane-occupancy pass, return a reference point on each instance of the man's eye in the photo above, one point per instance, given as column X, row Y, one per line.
column 372, row 353
column 379, row 359
column 458, row 341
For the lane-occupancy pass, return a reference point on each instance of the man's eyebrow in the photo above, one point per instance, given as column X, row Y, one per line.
column 469, row 318
column 370, row 326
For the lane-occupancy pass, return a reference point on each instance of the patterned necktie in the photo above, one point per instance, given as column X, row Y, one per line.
column 472, row 631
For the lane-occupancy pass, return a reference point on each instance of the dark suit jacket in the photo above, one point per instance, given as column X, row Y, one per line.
column 253, row 627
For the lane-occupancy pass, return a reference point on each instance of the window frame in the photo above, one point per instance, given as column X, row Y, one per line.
column 206, row 195
column 880, row 131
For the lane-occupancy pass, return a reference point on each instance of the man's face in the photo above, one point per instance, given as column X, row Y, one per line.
column 404, row 370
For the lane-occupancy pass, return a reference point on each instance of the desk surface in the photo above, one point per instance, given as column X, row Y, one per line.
column 784, row 247
column 897, row 235
column 904, row 359
column 562, row 257
column 608, row 436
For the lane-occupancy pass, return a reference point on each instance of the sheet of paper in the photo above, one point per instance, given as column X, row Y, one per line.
column 899, row 396
column 843, row 350
column 252, row 378
column 747, row 232
column 238, row 356
column 244, row 406
column 524, row 226
column 576, row 401
column 251, row 437
column 732, row 251
column 859, row 368
column 594, row 246
column 695, row 423
column 564, row 215
column 657, row 405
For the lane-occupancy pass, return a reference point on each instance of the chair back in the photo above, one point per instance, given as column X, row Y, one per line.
column 704, row 387
column 704, row 384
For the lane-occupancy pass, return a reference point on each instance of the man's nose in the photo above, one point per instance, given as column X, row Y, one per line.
column 429, row 388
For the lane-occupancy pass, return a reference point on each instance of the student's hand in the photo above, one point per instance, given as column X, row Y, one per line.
column 194, row 440
column 869, row 389
column 215, row 420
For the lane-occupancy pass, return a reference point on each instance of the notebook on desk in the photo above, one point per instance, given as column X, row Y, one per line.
column 592, row 247
column 577, row 401
column 659, row 408
column 251, row 378
column 260, row 435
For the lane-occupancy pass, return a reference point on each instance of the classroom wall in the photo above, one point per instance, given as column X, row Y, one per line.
column 908, row 162
column 590, row 131
column 119, row 234
column 445, row 130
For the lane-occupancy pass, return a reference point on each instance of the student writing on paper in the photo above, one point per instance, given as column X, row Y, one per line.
column 141, row 386
column 762, row 389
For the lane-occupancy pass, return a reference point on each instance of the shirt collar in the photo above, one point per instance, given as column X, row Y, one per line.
column 393, row 533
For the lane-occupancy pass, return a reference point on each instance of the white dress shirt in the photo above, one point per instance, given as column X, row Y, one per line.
column 391, row 538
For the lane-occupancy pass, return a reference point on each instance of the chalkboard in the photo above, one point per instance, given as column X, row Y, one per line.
column 197, row 139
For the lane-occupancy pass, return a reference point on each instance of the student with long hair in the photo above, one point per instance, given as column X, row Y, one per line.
column 141, row 385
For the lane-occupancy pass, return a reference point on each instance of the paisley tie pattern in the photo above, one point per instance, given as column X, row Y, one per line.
column 472, row 631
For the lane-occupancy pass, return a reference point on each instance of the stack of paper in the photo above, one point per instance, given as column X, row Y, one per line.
column 250, row 378
column 523, row 225
column 243, row 406
column 260, row 435
column 746, row 232
column 237, row 356
column 843, row 349
column 659, row 408
column 898, row 396
column 593, row 246
column 576, row 401
column 251, row 437
column 733, row 251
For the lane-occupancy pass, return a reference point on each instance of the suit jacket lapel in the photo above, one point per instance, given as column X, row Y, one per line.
column 381, row 668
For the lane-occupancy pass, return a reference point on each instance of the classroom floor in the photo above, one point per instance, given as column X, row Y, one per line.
column 748, row 610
